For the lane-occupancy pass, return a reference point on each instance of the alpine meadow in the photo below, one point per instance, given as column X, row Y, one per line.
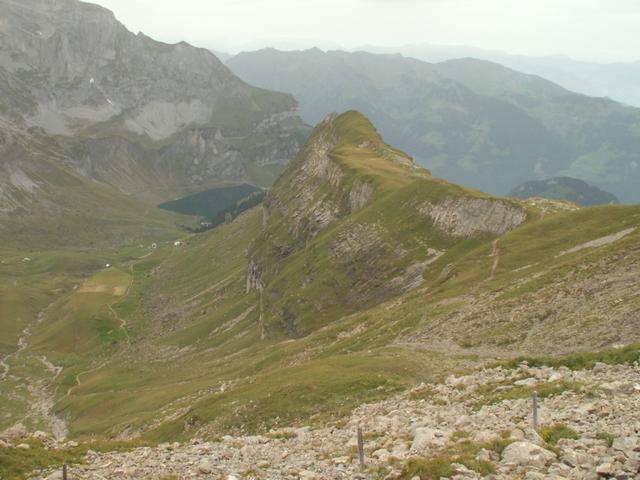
column 394, row 263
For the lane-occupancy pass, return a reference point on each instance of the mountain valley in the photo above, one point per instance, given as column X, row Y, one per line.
column 472, row 122
column 194, row 283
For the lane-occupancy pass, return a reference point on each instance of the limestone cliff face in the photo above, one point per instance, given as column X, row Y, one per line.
column 153, row 119
column 314, row 193
column 353, row 222
column 317, row 190
column 465, row 217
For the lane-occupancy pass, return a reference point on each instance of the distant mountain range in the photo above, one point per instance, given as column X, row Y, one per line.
column 471, row 121
column 565, row 188
column 618, row 81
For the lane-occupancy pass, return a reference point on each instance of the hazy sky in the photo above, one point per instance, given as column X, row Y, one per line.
column 603, row 30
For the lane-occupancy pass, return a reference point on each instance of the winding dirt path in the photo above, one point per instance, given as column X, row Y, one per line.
column 496, row 258
column 121, row 321
column 78, row 375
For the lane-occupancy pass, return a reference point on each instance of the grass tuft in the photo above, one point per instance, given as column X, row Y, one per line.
column 607, row 437
column 552, row 433
column 489, row 394
column 582, row 361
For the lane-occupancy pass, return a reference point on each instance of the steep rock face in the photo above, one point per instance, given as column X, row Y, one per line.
column 317, row 190
column 354, row 222
column 153, row 119
column 466, row 217
column 80, row 63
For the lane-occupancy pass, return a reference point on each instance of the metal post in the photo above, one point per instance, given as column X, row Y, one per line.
column 361, row 447
column 535, row 410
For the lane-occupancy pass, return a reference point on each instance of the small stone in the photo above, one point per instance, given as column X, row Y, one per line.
column 599, row 367
column 382, row 454
column 16, row 432
column 556, row 377
column 205, row 467
column 531, row 475
column 605, row 469
column 427, row 437
column 463, row 421
column 625, row 444
column 23, row 446
column 614, row 388
column 526, row 382
column 575, row 458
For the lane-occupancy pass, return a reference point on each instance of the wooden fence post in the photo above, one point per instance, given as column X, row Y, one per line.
column 64, row 472
column 534, row 397
column 361, row 447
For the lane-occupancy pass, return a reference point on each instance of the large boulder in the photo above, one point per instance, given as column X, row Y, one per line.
column 527, row 454
column 426, row 438
column 17, row 432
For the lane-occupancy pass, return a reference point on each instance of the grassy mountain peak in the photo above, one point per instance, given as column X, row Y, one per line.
column 355, row 222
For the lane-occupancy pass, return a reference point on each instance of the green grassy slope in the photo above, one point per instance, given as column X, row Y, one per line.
column 197, row 340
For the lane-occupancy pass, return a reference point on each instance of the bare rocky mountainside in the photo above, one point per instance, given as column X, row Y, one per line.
column 81, row 96
column 363, row 292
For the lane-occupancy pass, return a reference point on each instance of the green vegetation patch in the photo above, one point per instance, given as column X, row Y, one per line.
column 607, row 437
column 463, row 451
column 583, row 360
column 316, row 392
column 552, row 433
column 492, row 393
column 19, row 463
